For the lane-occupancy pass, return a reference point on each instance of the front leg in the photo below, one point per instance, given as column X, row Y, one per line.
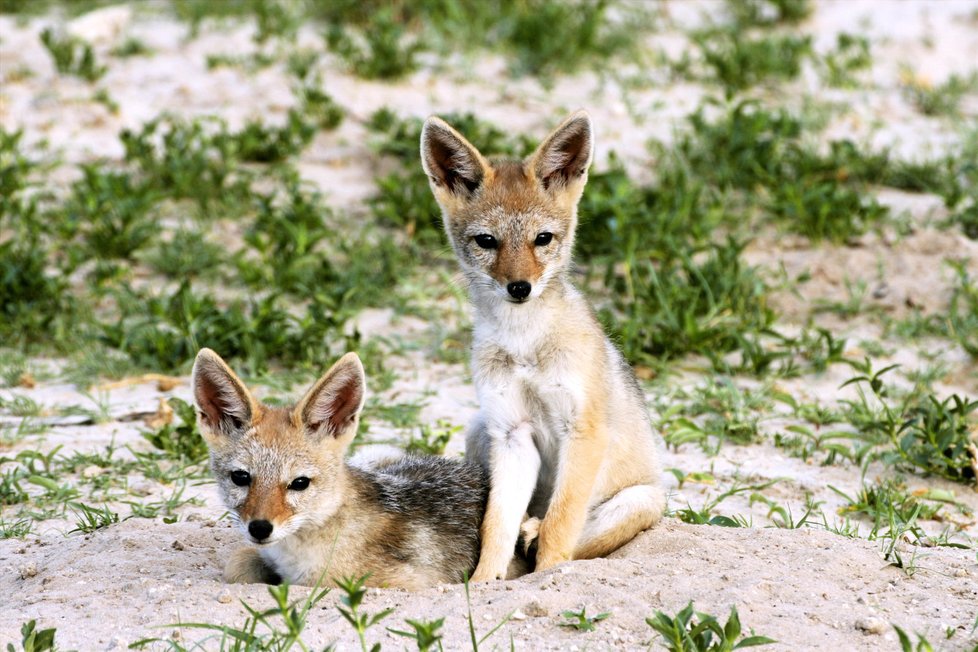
column 514, row 464
column 580, row 459
column 246, row 566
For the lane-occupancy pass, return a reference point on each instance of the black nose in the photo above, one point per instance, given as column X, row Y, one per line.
column 260, row 529
column 518, row 289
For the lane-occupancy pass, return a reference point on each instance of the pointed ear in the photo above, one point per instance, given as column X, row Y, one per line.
column 452, row 163
column 561, row 161
column 332, row 407
column 225, row 407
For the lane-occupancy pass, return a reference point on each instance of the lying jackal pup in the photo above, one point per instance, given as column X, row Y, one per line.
column 563, row 429
column 410, row 521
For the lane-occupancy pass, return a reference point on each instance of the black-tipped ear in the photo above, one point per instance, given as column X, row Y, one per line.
column 333, row 404
column 564, row 157
column 224, row 404
column 451, row 162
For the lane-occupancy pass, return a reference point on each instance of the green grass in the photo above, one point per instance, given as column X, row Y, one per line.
column 537, row 37
column 180, row 441
column 963, row 310
column 767, row 13
column 738, row 63
column 382, row 50
column 942, row 99
column 852, row 55
column 700, row 303
column 761, row 152
column 919, row 432
column 72, row 56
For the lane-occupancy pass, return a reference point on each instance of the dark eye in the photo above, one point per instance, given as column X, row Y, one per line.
column 543, row 239
column 486, row 241
column 299, row 484
column 241, row 478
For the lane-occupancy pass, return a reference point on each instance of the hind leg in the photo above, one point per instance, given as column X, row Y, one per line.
column 617, row 520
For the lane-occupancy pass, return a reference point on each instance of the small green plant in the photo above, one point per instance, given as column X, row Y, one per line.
column 34, row 305
column 432, row 440
column 963, row 310
column 35, row 640
column 924, row 434
column 275, row 19
column 183, row 441
column 111, row 212
column 279, row 628
column 738, row 63
column 319, row 106
column 705, row 516
column 72, row 56
column 16, row 529
column 187, row 159
column 187, row 253
column 907, row 644
column 354, row 589
column 545, row 37
column 382, row 51
column 424, row 633
column 580, row 621
column 131, row 47
column 941, row 99
column 259, row 143
column 693, row 631
column 764, row 13
column 694, row 304
column 474, row 639
column 888, row 499
column 850, row 56
column 91, row 519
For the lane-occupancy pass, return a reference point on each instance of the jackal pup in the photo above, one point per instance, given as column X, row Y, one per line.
column 409, row 521
column 563, row 429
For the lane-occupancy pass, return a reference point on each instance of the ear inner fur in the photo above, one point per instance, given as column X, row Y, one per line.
column 224, row 403
column 449, row 160
column 334, row 402
column 565, row 155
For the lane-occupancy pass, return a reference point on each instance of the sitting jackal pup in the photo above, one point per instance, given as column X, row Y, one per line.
column 410, row 522
column 563, row 429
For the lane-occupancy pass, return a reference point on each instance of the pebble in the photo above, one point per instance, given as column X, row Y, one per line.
column 27, row 570
column 224, row 597
column 176, row 545
column 871, row 625
column 535, row 610
column 91, row 471
column 518, row 615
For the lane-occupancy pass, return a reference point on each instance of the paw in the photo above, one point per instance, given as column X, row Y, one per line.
column 529, row 532
column 485, row 573
column 549, row 561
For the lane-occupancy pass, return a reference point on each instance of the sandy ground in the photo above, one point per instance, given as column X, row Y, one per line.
column 807, row 588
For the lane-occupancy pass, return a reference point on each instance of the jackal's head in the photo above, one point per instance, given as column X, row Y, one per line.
column 510, row 222
column 279, row 470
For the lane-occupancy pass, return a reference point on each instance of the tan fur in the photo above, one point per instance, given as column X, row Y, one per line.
column 555, row 394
